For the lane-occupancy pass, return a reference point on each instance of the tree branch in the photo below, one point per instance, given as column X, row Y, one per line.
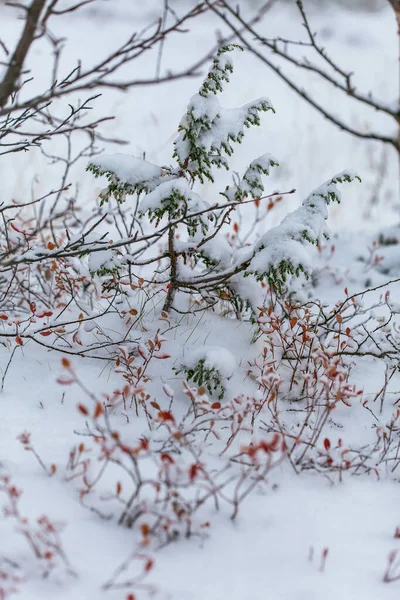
column 9, row 85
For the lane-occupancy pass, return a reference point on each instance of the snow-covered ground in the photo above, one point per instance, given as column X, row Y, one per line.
column 297, row 536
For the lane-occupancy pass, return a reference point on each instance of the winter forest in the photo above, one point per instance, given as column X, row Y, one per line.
column 199, row 299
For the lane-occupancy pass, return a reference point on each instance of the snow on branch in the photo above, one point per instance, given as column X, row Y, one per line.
column 126, row 174
column 252, row 183
column 208, row 130
column 283, row 250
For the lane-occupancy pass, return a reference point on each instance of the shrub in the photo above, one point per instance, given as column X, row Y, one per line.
column 193, row 252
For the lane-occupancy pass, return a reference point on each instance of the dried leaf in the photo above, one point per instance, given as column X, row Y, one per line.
column 98, row 410
column 327, row 444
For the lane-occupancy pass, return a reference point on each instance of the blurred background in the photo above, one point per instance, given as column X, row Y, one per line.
column 360, row 35
column 358, row 5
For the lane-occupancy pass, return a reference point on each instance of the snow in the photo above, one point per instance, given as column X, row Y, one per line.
column 127, row 168
column 215, row 357
column 100, row 259
column 208, row 130
column 291, row 241
column 132, row 173
column 159, row 197
column 285, row 527
column 220, row 128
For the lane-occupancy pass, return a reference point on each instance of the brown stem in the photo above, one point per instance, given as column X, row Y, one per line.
column 10, row 81
column 173, row 270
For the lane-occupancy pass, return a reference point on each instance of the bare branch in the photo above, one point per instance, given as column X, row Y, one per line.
column 273, row 45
